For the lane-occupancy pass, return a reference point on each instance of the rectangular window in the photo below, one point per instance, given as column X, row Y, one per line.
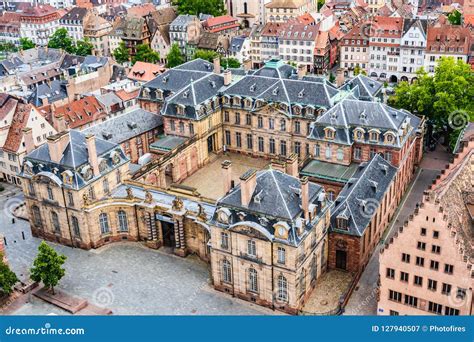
column 435, row 249
column 70, row 199
column 390, row 273
column 394, row 313
column 434, row 265
column 418, row 281
column 432, row 284
column 395, row 296
column 261, row 147
column 435, row 234
column 297, row 127
column 105, row 184
column 357, row 153
column 420, row 261
column 227, row 138
column 411, row 301
column 249, row 141
column 271, row 123
column 191, row 129
column 446, row 289
column 404, row 277
column 172, row 125
column 248, row 119
column 260, row 122
column 298, row 148
column 421, row 246
column 423, row 232
column 406, row 258
column 435, row 308
column 450, row 311
column 251, row 248
column 272, row 146
column 238, row 139
column 226, row 116
column 237, row 118
column 283, row 148
column 448, row 269
column 224, row 240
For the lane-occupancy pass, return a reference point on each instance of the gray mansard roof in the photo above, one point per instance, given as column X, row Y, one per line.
column 276, row 200
column 360, row 199
column 126, row 126
column 74, row 160
column 350, row 114
column 366, row 87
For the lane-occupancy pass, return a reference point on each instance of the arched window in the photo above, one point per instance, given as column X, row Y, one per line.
column 317, row 151
column 282, row 288
column 122, row 221
column 340, row 153
column 226, row 272
column 75, row 226
column 36, row 216
column 253, row 280
column 331, row 195
column 104, row 223
column 55, row 220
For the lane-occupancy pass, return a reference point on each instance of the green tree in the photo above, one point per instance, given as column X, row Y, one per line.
column 26, row 44
column 47, row 266
column 121, row 54
column 230, row 62
column 321, row 3
column 332, row 78
column 8, row 47
column 358, row 70
column 174, row 57
column 196, row 7
column 207, row 55
column 445, row 98
column 84, row 47
column 60, row 40
column 145, row 54
column 7, row 277
column 455, row 17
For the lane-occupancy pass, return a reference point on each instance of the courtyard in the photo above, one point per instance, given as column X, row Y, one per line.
column 208, row 180
column 127, row 278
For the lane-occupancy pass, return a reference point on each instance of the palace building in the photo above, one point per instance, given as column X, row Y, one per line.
column 274, row 136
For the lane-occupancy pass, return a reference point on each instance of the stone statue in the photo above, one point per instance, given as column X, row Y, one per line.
column 85, row 198
column 148, row 197
column 178, row 204
column 201, row 213
column 130, row 193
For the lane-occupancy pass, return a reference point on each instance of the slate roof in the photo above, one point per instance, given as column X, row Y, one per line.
column 360, row 198
column 408, row 23
column 126, row 126
column 55, row 91
column 275, row 199
column 367, row 87
column 236, row 44
column 76, row 13
column 350, row 114
column 74, row 159
column 181, row 22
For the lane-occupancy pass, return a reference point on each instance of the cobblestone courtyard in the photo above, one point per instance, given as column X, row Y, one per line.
column 126, row 277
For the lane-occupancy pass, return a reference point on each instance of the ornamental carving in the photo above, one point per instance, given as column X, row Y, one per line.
column 85, row 199
column 148, row 197
column 178, row 204
column 130, row 193
column 201, row 213
column 341, row 244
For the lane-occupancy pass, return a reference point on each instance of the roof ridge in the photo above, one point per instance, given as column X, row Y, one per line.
column 279, row 191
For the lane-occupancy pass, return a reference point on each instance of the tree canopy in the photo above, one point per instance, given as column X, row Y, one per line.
column 121, row 54
column 145, row 54
column 196, row 7
column 174, row 57
column 454, row 17
column 7, row 277
column 445, row 98
column 60, row 39
column 47, row 266
column 84, row 47
column 358, row 70
column 207, row 55
column 26, row 44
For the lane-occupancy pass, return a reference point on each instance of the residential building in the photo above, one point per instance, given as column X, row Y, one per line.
column 73, row 22
column 412, row 48
column 354, row 50
column 283, row 11
column 159, row 25
column 384, row 48
column 38, row 23
column 97, row 29
column 446, row 40
column 133, row 31
column 222, row 24
column 264, row 43
column 143, row 72
column 22, row 129
column 184, row 29
column 298, row 43
column 426, row 267
column 78, row 114
column 239, row 48
column 10, row 28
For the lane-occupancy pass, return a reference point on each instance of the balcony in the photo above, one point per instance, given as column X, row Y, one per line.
column 252, row 258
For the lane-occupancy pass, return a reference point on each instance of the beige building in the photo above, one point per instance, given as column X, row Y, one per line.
column 426, row 268
column 283, row 11
column 269, row 238
column 97, row 30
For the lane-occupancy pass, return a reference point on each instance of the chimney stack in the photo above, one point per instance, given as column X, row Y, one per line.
column 248, row 182
column 292, row 165
column 217, row 65
column 227, row 77
column 227, row 175
column 339, row 77
column 59, row 123
column 92, row 152
column 57, row 143
column 28, row 139
column 301, row 71
column 305, row 197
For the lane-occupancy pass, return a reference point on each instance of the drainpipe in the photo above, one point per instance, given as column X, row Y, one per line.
column 273, row 281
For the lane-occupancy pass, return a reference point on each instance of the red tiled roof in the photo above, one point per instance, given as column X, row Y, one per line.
column 142, row 71
column 81, row 112
column 223, row 19
column 15, row 133
column 39, row 11
column 127, row 95
column 447, row 36
column 141, row 10
column 306, row 19
column 7, row 104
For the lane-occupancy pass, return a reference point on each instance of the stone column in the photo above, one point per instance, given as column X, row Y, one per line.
column 152, row 231
column 179, row 236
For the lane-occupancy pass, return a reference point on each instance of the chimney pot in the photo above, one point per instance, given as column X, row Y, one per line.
column 227, row 77
column 28, row 138
column 248, row 182
column 217, row 65
column 305, row 197
column 227, row 175
column 92, row 153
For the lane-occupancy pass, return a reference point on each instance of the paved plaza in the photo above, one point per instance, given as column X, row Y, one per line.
column 127, row 277
column 208, row 180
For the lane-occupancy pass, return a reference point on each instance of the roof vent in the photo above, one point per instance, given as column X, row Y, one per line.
column 165, row 79
column 301, row 94
column 258, row 197
column 132, row 124
column 275, row 91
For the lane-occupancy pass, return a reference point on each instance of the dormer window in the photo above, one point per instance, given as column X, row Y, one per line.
column 374, row 135
column 159, row 94
column 180, row 109
column 248, row 103
column 330, row 133
column 389, row 138
column 102, row 164
column 342, row 223
column 359, row 134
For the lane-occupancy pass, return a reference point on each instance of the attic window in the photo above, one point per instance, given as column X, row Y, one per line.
column 342, row 223
column 165, row 79
column 180, row 109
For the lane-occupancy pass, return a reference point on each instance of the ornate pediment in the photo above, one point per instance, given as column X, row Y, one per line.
column 250, row 231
